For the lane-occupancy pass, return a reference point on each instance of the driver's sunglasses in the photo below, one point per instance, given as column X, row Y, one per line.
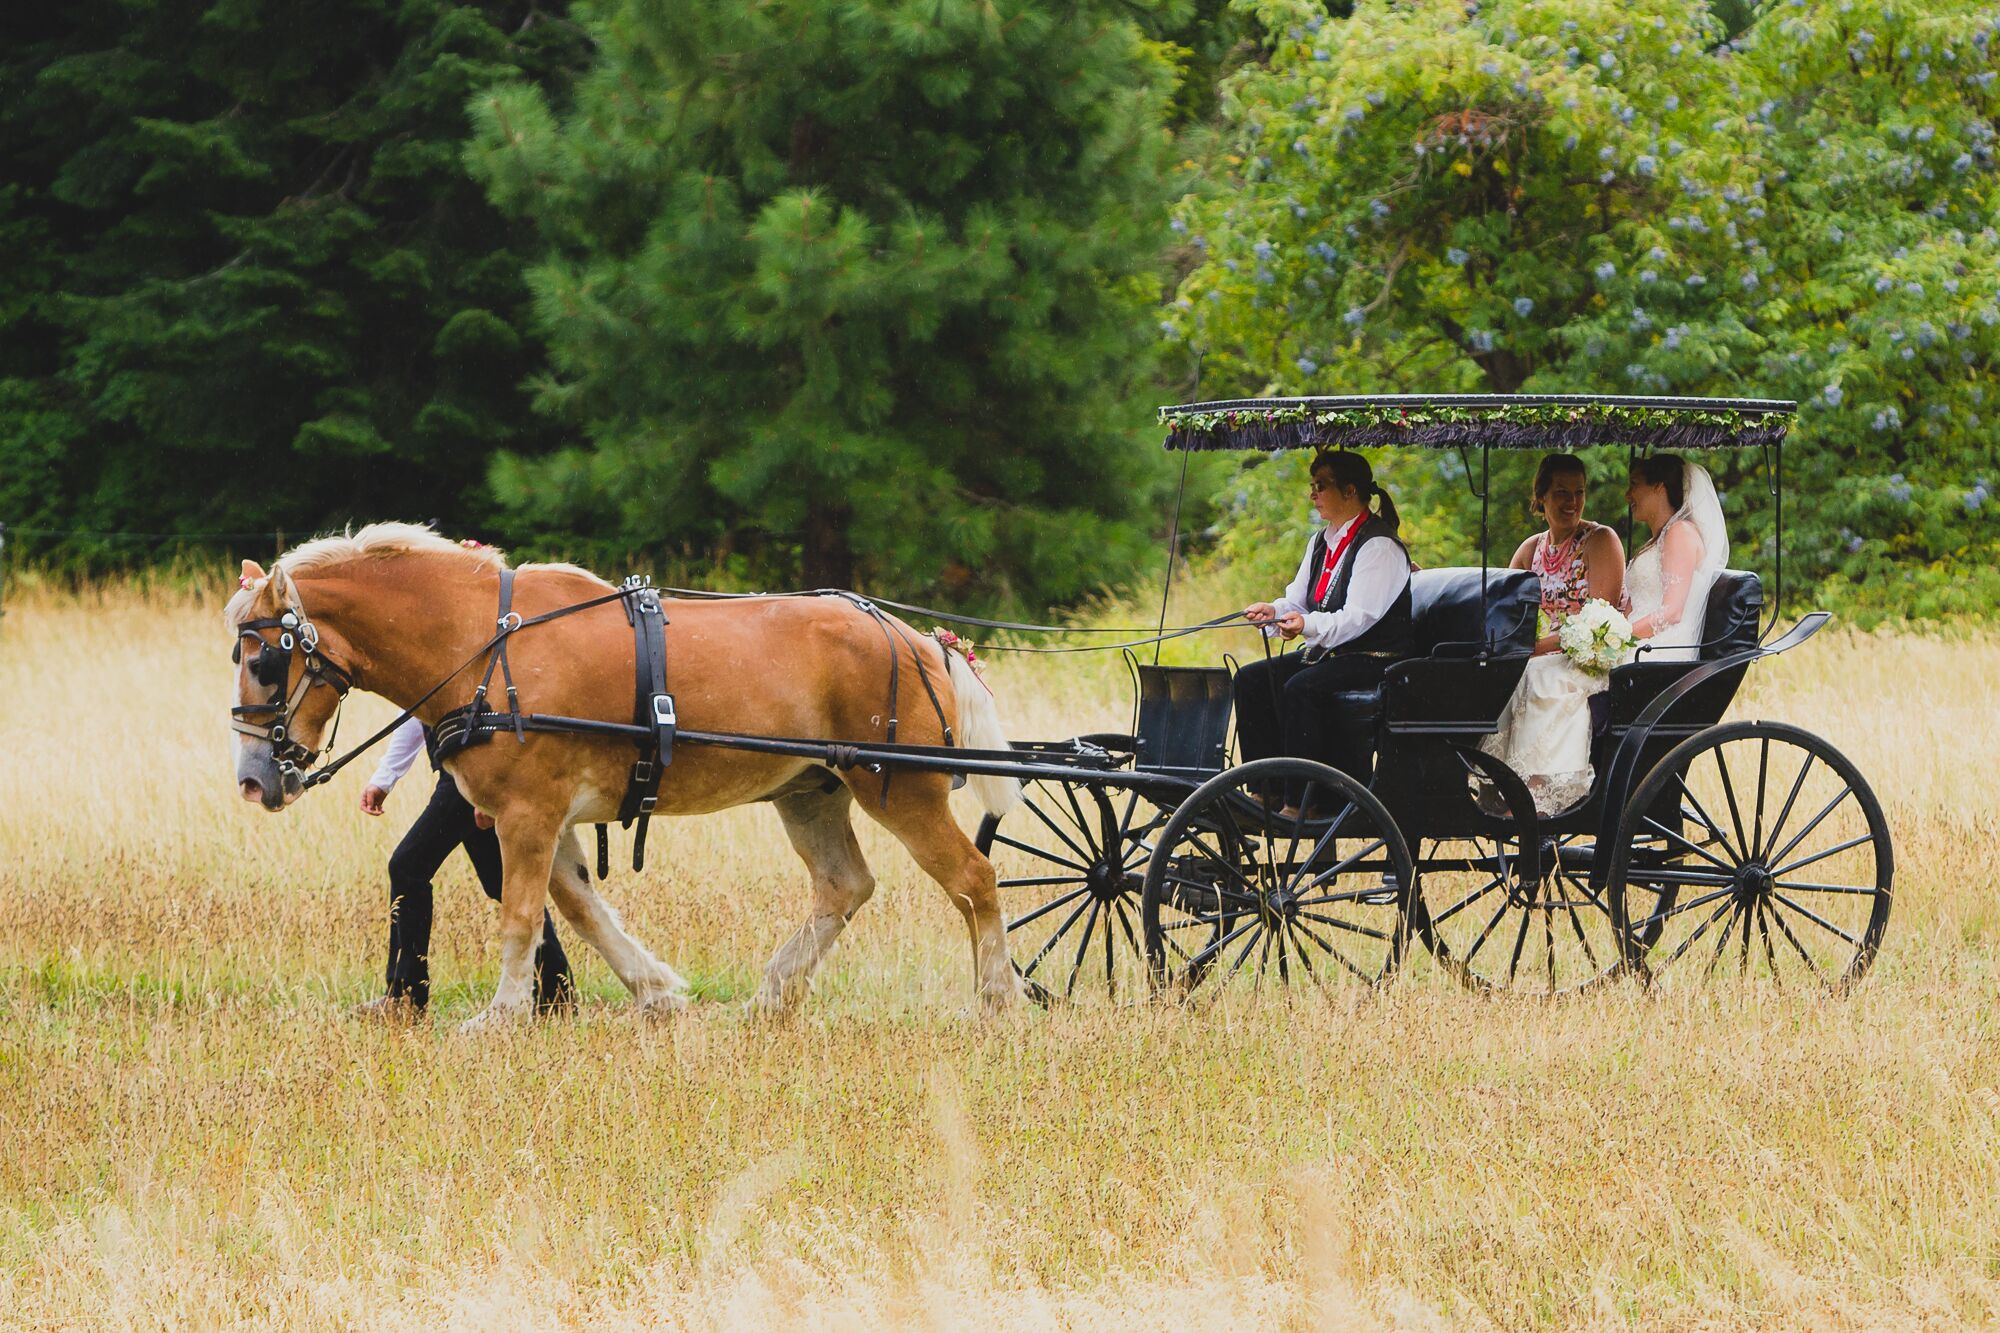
column 1318, row 486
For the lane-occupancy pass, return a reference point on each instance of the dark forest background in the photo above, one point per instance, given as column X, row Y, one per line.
column 879, row 293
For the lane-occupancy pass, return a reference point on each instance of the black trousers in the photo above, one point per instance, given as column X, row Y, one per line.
column 445, row 825
column 1287, row 706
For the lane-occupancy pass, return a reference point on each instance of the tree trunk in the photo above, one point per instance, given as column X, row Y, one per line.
column 827, row 559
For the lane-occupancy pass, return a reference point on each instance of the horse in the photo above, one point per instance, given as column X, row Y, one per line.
column 395, row 609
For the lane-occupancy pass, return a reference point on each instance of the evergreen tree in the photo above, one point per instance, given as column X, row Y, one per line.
column 248, row 283
column 862, row 290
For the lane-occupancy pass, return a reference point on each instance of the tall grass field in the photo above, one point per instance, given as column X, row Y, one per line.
column 195, row 1133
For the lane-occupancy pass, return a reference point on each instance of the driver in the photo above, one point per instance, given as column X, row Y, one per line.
column 1350, row 604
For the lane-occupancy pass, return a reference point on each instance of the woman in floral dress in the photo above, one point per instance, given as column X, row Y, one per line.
column 1545, row 733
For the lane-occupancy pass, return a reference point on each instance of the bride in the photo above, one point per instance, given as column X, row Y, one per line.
column 1545, row 733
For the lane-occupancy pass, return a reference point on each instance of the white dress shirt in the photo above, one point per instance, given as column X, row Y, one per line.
column 1381, row 572
column 405, row 744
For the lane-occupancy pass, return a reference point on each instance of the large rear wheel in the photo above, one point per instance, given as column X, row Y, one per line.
column 1757, row 849
column 1239, row 893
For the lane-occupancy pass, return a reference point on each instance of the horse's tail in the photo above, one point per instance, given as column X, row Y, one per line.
column 978, row 724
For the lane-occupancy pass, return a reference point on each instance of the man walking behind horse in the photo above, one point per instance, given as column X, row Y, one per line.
column 447, row 823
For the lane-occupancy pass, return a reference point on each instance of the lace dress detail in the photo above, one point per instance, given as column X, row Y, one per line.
column 1545, row 733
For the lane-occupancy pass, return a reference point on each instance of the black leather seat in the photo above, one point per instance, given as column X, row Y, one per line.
column 1445, row 610
column 1733, row 617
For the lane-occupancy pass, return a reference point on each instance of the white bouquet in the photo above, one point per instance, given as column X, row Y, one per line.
column 1597, row 637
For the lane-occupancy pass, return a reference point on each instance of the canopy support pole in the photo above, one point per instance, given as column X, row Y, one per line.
column 1174, row 529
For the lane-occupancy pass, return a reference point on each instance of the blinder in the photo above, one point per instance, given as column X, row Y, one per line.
column 272, row 668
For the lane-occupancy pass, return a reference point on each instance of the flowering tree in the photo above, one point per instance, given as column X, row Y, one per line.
column 1591, row 196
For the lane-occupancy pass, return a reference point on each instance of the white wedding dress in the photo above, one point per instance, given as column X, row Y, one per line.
column 1545, row 733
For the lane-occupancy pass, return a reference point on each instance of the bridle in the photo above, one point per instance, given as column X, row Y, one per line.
column 271, row 720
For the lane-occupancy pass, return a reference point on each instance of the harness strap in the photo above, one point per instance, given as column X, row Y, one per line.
column 652, row 709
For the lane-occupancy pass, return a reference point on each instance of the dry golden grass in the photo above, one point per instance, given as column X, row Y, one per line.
column 195, row 1135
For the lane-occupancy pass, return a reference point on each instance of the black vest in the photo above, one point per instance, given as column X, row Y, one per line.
column 1395, row 632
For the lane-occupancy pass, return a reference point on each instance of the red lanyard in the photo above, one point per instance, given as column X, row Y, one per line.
column 1326, row 573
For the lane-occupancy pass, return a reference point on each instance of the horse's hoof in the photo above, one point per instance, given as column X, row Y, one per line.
column 491, row 1019
column 665, row 1006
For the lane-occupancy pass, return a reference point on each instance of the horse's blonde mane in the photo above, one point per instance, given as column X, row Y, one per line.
column 375, row 541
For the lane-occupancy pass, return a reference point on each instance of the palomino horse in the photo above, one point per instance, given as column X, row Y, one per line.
column 395, row 609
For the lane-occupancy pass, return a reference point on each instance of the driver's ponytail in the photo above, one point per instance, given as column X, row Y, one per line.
column 1385, row 506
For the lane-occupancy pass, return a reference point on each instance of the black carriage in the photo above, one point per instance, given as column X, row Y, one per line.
column 1146, row 862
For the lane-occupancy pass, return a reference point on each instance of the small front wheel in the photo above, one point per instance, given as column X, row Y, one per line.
column 1279, row 868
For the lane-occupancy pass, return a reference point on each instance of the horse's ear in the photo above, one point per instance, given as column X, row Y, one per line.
column 252, row 571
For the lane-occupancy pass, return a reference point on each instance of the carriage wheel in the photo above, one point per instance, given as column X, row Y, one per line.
column 1498, row 920
column 1071, row 860
column 1237, row 893
column 1757, row 848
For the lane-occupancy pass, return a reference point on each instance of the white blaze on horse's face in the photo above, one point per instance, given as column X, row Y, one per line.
column 260, row 775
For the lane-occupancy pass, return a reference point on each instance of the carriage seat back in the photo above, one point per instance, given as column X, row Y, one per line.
column 1445, row 604
column 1183, row 721
column 1735, row 609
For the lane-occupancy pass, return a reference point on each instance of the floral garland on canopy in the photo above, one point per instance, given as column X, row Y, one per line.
column 1272, row 424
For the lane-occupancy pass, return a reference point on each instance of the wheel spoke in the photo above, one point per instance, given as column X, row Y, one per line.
column 1722, row 940
column 1215, row 946
column 1729, row 791
column 1305, row 959
column 1851, row 843
column 1052, row 940
column 1808, row 887
column 1785, row 812
column 1770, row 954
column 1692, row 904
column 1520, row 941
column 1346, row 863
column 1334, row 953
column 1581, row 938
column 1082, row 945
column 1702, row 852
column 1227, row 863
column 1707, row 819
column 1763, row 770
column 1086, row 855
column 1354, row 927
column 1700, row 931
column 1802, row 834
column 1041, row 852
column 1249, row 944
column 1037, row 881
column 1479, row 943
column 1464, row 902
column 1046, row 908
column 1785, row 929
column 1815, row 918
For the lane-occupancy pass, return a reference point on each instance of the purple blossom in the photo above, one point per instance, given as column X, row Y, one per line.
column 1354, row 317
column 1648, row 275
column 1832, row 395
column 1306, row 365
column 1606, row 271
column 1524, row 306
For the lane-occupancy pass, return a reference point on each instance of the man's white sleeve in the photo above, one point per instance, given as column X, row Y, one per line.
column 405, row 744
column 1381, row 572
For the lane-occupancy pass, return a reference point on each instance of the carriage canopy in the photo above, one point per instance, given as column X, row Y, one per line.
column 1472, row 421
